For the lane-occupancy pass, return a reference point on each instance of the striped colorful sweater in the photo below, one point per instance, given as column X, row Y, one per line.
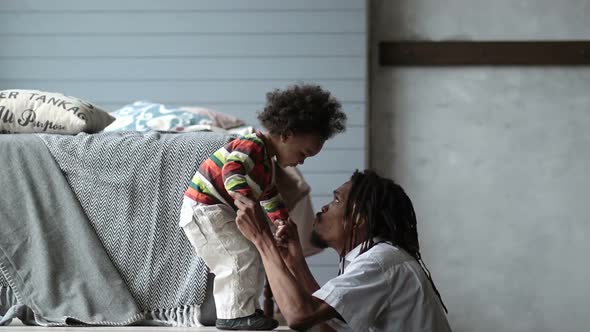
column 242, row 166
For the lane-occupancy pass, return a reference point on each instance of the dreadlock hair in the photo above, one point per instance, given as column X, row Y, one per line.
column 389, row 214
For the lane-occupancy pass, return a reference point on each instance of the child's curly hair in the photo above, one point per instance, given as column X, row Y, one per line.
column 303, row 108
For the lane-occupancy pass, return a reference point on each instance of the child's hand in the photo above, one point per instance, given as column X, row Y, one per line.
column 250, row 219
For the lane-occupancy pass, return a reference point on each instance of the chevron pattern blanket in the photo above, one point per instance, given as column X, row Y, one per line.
column 130, row 186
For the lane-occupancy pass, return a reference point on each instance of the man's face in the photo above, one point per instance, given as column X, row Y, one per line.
column 328, row 228
column 293, row 149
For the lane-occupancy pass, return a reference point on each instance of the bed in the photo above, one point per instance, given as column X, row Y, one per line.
column 89, row 228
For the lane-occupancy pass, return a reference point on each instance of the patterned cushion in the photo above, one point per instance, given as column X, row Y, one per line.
column 32, row 111
column 145, row 116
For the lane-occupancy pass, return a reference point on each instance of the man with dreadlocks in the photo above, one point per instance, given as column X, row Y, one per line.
column 382, row 285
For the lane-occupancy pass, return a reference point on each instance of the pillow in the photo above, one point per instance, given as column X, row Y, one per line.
column 221, row 120
column 144, row 116
column 33, row 111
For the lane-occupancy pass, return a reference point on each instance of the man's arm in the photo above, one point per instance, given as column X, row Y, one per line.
column 292, row 253
column 298, row 306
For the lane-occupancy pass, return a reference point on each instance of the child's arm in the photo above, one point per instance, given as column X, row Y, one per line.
column 238, row 160
column 274, row 206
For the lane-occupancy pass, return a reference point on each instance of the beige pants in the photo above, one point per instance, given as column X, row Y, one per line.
column 239, row 274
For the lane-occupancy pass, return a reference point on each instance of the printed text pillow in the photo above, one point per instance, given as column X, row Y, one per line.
column 32, row 111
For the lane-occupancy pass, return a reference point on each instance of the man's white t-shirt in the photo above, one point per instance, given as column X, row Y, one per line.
column 384, row 289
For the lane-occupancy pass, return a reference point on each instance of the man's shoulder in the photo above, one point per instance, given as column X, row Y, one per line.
column 386, row 255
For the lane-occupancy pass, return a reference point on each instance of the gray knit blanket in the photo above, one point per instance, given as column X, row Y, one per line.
column 130, row 186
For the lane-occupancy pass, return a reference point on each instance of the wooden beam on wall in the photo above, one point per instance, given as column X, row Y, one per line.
column 496, row 53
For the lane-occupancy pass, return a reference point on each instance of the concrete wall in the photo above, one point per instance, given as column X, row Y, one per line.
column 496, row 161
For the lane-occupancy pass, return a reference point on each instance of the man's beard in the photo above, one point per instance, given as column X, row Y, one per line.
column 317, row 241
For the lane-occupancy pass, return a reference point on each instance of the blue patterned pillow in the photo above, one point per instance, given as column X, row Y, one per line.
column 145, row 116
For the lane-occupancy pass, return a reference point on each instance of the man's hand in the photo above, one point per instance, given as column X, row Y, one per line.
column 250, row 219
column 287, row 239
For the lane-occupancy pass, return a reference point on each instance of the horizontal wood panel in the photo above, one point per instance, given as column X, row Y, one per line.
column 353, row 138
column 324, row 273
column 181, row 92
column 184, row 68
column 327, row 257
column 196, row 45
column 355, row 112
column 159, row 5
column 323, row 184
column 331, row 160
column 60, row 23
column 318, row 201
column 222, row 54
